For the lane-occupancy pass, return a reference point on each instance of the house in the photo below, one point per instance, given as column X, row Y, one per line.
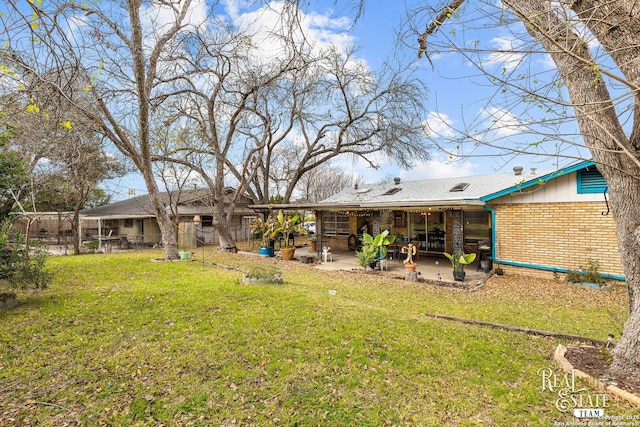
column 135, row 219
column 539, row 223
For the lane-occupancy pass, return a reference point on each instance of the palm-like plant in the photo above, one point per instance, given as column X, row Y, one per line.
column 287, row 225
column 264, row 229
column 459, row 259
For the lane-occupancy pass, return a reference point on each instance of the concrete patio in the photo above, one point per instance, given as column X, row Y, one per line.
column 430, row 267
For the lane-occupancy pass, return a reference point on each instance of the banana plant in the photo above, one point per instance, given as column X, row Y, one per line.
column 459, row 259
column 380, row 242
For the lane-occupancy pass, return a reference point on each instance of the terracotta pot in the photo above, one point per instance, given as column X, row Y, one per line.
column 287, row 253
column 314, row 246
column 410, row 267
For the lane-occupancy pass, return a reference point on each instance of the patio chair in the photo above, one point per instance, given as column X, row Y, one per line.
column 326, row 253
column 124, row 243
column 383, row 263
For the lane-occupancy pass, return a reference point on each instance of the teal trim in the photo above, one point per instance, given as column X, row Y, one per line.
column 591, row 181
column 492, row 214
column 538, row 180
column 555, row 269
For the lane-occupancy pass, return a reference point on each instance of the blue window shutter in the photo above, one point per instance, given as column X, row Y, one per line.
column 591, row 181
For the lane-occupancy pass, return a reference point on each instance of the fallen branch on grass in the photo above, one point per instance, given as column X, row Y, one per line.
column 518, row 329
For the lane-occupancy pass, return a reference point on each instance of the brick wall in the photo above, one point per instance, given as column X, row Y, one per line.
column 561, row 235
column 336, row 242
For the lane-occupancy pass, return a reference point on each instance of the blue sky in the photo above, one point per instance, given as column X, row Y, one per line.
column 454, row 97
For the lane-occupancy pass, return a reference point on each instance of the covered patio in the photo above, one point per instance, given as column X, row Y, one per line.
column 430, row 267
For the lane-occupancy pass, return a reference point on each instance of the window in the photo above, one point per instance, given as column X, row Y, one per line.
column 128, row 223
column 207, row 221
column 476, row 226
column 335, row 224
column 459, row 187
column 591, row 181
column 392, row 191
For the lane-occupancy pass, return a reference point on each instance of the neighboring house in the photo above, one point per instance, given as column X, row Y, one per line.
column 541, row 222
column 135, row 219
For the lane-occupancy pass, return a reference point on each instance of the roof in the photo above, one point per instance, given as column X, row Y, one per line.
column 190, row 202
column 471, row 190
column 437, row 191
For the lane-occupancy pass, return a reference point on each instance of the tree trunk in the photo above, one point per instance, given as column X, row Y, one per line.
column 167, row 227
column 616, row 155
column 74, row 231
column 625, row 205
column 227, row 242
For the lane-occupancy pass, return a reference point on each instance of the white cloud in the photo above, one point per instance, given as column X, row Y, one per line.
column 441, row 167
column 319, row 30
column 439, row 125
column 501, row 123
column 159, row 16
column 507, row 55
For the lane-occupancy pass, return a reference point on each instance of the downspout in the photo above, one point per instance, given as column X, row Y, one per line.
column 532, row 266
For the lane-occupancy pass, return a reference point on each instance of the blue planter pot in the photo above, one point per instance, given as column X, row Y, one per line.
column 266, row 252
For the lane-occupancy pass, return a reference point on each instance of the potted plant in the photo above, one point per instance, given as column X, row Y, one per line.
column 409, row 264
column 314, row 244
column 264, row 229
column 380, row 242
column 287, row 225
column 367, row 256
column 376, row 246
column 458, row 260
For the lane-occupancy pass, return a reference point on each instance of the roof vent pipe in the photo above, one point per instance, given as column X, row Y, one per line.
column 355, row 186
column 396, row 180
column 518, row 170
column 533, row 171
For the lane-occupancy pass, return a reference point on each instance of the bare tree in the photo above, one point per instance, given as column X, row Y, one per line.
column 265, row 122
column 115, row 48
column 323, row 182
column 336, row 107
column 595, row 49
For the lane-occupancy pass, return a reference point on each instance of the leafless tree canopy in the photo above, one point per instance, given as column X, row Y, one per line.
column 259, row 111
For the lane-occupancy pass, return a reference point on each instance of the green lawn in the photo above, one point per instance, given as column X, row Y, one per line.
column 118, row 340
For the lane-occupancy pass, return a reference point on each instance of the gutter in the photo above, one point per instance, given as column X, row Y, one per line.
column 420, row 204
column 492, row 213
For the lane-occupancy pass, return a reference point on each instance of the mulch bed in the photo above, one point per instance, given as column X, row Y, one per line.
column 595, row 362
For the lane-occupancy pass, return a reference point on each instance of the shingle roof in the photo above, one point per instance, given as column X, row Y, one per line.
column 430, row 191
column 136, row 206
column 141, row 206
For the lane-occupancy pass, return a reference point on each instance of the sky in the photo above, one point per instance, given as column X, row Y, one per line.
column 456, row 98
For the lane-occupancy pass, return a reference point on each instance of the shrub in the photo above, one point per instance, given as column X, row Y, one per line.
column 591, row 274
column 21, row 262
